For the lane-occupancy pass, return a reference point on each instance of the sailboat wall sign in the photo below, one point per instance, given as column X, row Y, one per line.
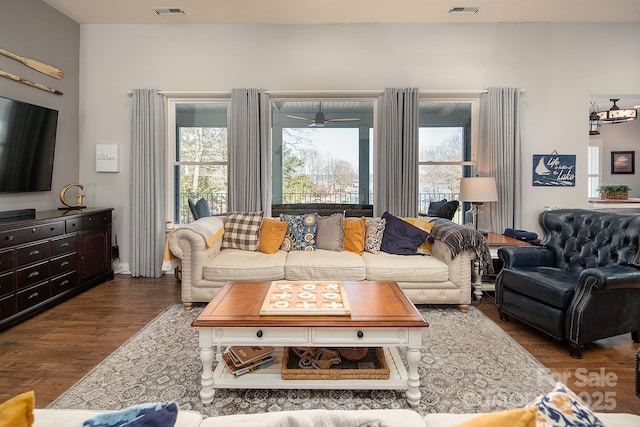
column 554, row 170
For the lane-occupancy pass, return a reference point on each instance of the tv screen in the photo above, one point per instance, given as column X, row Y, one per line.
column 27, row 145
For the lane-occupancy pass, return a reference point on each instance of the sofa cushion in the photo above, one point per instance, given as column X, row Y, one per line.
column 519, row 417
column 561, row 407
column 426, row 225
column 324, row 265
column 330, row 232
column 18, row 410
column 374, row 230
column 272, row 234
column 400, row 237
column 236, row 264
column 400, row 268
column 242, row 230
column 434, row 207
column 354, row 232
column 549, row 285
column 301, row 232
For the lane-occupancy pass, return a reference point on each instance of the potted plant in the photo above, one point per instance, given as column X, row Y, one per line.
column 614, row 191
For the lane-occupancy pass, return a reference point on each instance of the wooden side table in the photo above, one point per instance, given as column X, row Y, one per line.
column 494, row 241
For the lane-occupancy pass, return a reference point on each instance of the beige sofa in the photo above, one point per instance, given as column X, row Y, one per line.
column 206, row 267
column 310, row 418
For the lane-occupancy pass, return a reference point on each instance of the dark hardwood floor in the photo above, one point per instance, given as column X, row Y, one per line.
column 51, row 351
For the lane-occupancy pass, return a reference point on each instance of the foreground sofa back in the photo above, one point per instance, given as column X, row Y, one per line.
column 444, row 277
column 314, row 417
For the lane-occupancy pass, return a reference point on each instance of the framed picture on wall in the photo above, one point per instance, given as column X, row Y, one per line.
column 623, row 162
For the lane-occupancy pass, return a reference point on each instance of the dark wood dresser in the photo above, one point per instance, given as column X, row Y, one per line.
column 50, row 256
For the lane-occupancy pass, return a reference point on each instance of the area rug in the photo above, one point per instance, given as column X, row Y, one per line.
column 468, row 364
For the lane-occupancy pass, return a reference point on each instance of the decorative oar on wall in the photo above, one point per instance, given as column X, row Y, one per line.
column 39, row 66
column 29, row 82
column 47, row 69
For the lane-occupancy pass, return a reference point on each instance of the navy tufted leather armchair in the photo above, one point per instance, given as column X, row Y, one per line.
column 582, row 284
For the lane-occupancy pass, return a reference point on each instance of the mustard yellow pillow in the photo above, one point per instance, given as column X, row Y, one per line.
column 521, row 417
column 272, row 232
column 424, row 248
column 18, row 411
column 354, row 231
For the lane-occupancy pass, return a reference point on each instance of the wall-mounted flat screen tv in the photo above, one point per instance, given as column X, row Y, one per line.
column 27, row 146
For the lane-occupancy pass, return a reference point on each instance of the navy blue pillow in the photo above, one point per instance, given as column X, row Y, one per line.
column 434, row 207
column 400, row 237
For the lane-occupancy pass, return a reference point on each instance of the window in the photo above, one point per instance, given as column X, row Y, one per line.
column 322, row 151
column 595, row 167
column 446, row 141
column 199, row 155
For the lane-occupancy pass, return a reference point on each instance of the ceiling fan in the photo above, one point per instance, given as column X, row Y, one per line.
column 320, row 120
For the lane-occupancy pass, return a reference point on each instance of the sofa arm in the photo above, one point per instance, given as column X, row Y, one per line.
column 194, row 244
column 526, row 256
column 460, row 266
column 617, row 277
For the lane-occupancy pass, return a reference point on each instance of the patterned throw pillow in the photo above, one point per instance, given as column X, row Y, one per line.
column 301, row 232
column 562, row 408
column 145, row 415
column 374, row 229
column 242, row 230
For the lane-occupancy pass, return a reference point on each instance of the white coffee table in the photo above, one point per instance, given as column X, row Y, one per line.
column 381, row 316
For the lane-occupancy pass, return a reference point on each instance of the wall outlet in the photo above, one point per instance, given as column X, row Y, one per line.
column 115, row 252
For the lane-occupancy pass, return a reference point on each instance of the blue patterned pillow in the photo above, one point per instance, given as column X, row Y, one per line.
column 149, row 415
column 562, row 408
column 301, row 232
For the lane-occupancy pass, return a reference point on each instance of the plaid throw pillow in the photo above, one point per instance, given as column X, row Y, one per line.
column 242, row 230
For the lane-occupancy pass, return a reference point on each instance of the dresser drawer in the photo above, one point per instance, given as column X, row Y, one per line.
column 33, row 274
column 64, row 245
column 7, row 307
column 63, row 283
column 33, row 296
column 7, row 260
column 64, row 264
column 90, row 221
column 6, row 283
column 254, row 335
column 30, row 234
column 32, row 253
column 360, row 336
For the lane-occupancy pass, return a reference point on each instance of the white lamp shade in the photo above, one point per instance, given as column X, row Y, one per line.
column 478, row 189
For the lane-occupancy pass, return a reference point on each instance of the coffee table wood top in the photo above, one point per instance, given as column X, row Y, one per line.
column 373, row 304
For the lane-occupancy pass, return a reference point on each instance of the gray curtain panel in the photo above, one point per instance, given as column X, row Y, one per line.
column 249, row 151
column 502, row 124
column 397, row 160
column 148, row 166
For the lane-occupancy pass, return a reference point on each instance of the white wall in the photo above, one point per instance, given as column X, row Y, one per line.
column 557, row 65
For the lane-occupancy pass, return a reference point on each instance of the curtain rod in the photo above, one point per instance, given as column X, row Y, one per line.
column 312, row 92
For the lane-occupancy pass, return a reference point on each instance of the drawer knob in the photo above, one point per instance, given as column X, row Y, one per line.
column 34, row 252
column 259, row 333
column 10, row 237
column 360, row 334
column 33, row 295
column 63, row 283
column 33, row 230
column 34, row 274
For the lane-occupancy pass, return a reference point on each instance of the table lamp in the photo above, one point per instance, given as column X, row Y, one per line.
column 478, row 190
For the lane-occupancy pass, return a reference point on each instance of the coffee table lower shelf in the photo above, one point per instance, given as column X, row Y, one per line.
column 270, row 377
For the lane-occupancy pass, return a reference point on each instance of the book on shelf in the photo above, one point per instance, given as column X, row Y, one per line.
column 245, row 368
column 242, row 354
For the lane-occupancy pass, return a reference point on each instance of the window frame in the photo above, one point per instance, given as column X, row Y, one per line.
column 598, row 143
column 171, row 101
column 469, row 167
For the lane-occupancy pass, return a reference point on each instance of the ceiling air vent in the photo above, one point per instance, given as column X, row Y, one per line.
column 463, row 10
column 163, row 11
